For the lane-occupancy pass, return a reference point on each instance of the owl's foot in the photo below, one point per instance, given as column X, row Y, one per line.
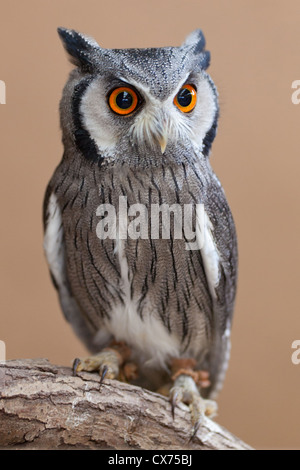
column 185, row 390
column 111, row 363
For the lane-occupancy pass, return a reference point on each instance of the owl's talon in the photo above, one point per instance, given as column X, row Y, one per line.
column 103, row 374
column 195, row 430
column 175, row 397
column 111, row 363
column 106, row 363
column 186, row 391
column 75, row 366
column 173, row 406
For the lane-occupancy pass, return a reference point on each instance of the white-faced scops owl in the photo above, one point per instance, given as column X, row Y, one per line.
column 139, row 237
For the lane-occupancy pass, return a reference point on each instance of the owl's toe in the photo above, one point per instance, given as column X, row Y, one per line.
column 186, row 391
column 106, row 363
column 110, row 363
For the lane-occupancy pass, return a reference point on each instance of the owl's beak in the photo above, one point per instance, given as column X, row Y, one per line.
column 151, row 128
column 162, row 140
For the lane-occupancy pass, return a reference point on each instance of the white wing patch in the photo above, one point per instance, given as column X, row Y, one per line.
column 53, row 241
column 209, row 251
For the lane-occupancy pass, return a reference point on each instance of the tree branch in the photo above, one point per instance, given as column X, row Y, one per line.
column 42, row 406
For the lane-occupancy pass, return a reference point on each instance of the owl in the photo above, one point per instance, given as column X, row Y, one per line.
column 138, row 235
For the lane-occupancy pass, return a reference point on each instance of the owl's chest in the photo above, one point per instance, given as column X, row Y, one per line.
column 143, row 219
column 131, row 205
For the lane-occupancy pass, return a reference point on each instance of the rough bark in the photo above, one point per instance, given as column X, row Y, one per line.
column 42, row 406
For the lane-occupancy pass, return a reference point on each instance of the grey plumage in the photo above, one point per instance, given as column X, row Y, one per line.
column 152, row 293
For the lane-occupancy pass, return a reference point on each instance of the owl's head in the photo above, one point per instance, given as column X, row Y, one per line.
column 140, row 102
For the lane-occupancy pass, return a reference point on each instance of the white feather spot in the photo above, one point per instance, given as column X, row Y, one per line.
column 53, row 240
column 209, row 250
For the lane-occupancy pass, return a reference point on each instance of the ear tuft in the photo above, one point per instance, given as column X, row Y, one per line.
column 79, row 47
column 196, row 41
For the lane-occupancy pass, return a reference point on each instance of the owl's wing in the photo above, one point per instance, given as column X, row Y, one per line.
column 219, row 258
column 54, row 247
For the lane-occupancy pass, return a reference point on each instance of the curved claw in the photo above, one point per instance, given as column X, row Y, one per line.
column 75, row 366
column 175, row 397
column 195, row 430
column 173, row 403
column 103, row 374
column 185, row 390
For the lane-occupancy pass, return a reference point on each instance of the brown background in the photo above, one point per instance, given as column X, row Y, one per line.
column 255, row 50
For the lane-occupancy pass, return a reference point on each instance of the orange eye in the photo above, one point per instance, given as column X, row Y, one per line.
column 123, row 100
column 186, row 98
